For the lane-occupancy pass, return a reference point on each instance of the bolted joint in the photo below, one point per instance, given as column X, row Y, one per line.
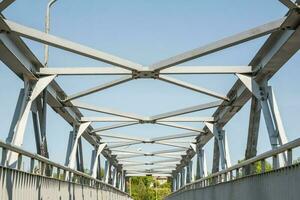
column 149, row 163
column 145, row 74
column 4, row 31
column 135, row 74
column 148, row 154
column 148, row 142
column 147, row 121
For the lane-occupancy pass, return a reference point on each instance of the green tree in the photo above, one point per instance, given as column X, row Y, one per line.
column 148, row 188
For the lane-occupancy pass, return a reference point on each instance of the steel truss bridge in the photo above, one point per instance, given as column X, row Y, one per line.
column 50, row 180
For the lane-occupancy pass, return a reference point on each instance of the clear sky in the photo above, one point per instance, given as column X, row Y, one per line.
column 146, row 32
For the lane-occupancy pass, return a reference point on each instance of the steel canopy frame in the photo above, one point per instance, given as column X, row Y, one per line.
column 280, row 46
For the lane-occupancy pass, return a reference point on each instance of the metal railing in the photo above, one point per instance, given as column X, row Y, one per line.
column 46, row 168
column 240, row 170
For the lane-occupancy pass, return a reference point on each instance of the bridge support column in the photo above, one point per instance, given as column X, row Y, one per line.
column 183, row 177
column 74, row 145
column 95, row 161
column 189, row 171
column 38, row 111
column 254, row 119
column 107, row 172
column 118, row 179
column 126, row 185
column 178, row 180
column 222, row 144
column 17, row 129
column 114, row 177
column 122, row 181
column 265, row 95
column 174, row 186
column 201, row 169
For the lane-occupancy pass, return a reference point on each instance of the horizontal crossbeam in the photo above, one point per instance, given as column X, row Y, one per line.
column 99, row 88
column 221, row 44
column 49, row 39
column 114, row 126
column 192, row 87
column 175, row 136
column 84, row 71
column 187, row 110
column 175, row 125
column 177, row 70
column 105, row 110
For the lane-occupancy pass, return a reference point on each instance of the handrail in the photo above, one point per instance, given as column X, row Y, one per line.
column 272, row 153
column 20, row 151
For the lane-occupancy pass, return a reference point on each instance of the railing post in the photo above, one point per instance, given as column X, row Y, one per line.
column 263, row 166
column 290, row 157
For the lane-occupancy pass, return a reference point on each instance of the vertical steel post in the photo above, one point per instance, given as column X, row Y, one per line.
column 201, row 169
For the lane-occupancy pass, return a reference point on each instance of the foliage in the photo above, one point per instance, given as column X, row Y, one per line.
column 147, row 188
column 258, row 166
column 296, row 161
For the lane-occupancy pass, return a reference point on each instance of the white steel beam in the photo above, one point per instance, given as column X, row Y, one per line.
column 174, row 125
column 124, row 144
column 221, row 44
column 175, row 136
column 54, row 41
column 99, row 88
column 177, row 70
column 277, row 118
column 187, row 119
column 105, row 110
column 95, row 163
column 32, row 91
column 290, row 4
column 114, row 126
column 201, row 167
column 187, row 110
column 253, row 130
column 169, row 151
column 146, row 155
column 164, row 161
column 146, row 174
column 222, row 143
column 151, row 164
column 84, row 71
column 169, row 119
column 149, row 171
column 107, row 119
column 21, row 61
column 122, row 162
column 192, row 87
column 80, row 131
column 5, row 3
column 172, row 144
column 118, row 136
column 129, row 151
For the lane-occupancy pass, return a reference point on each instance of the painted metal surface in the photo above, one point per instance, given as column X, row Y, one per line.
column 40, row 88
column 16, row 185
column 276, row 185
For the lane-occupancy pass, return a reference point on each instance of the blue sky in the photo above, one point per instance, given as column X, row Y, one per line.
column 146, row 32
